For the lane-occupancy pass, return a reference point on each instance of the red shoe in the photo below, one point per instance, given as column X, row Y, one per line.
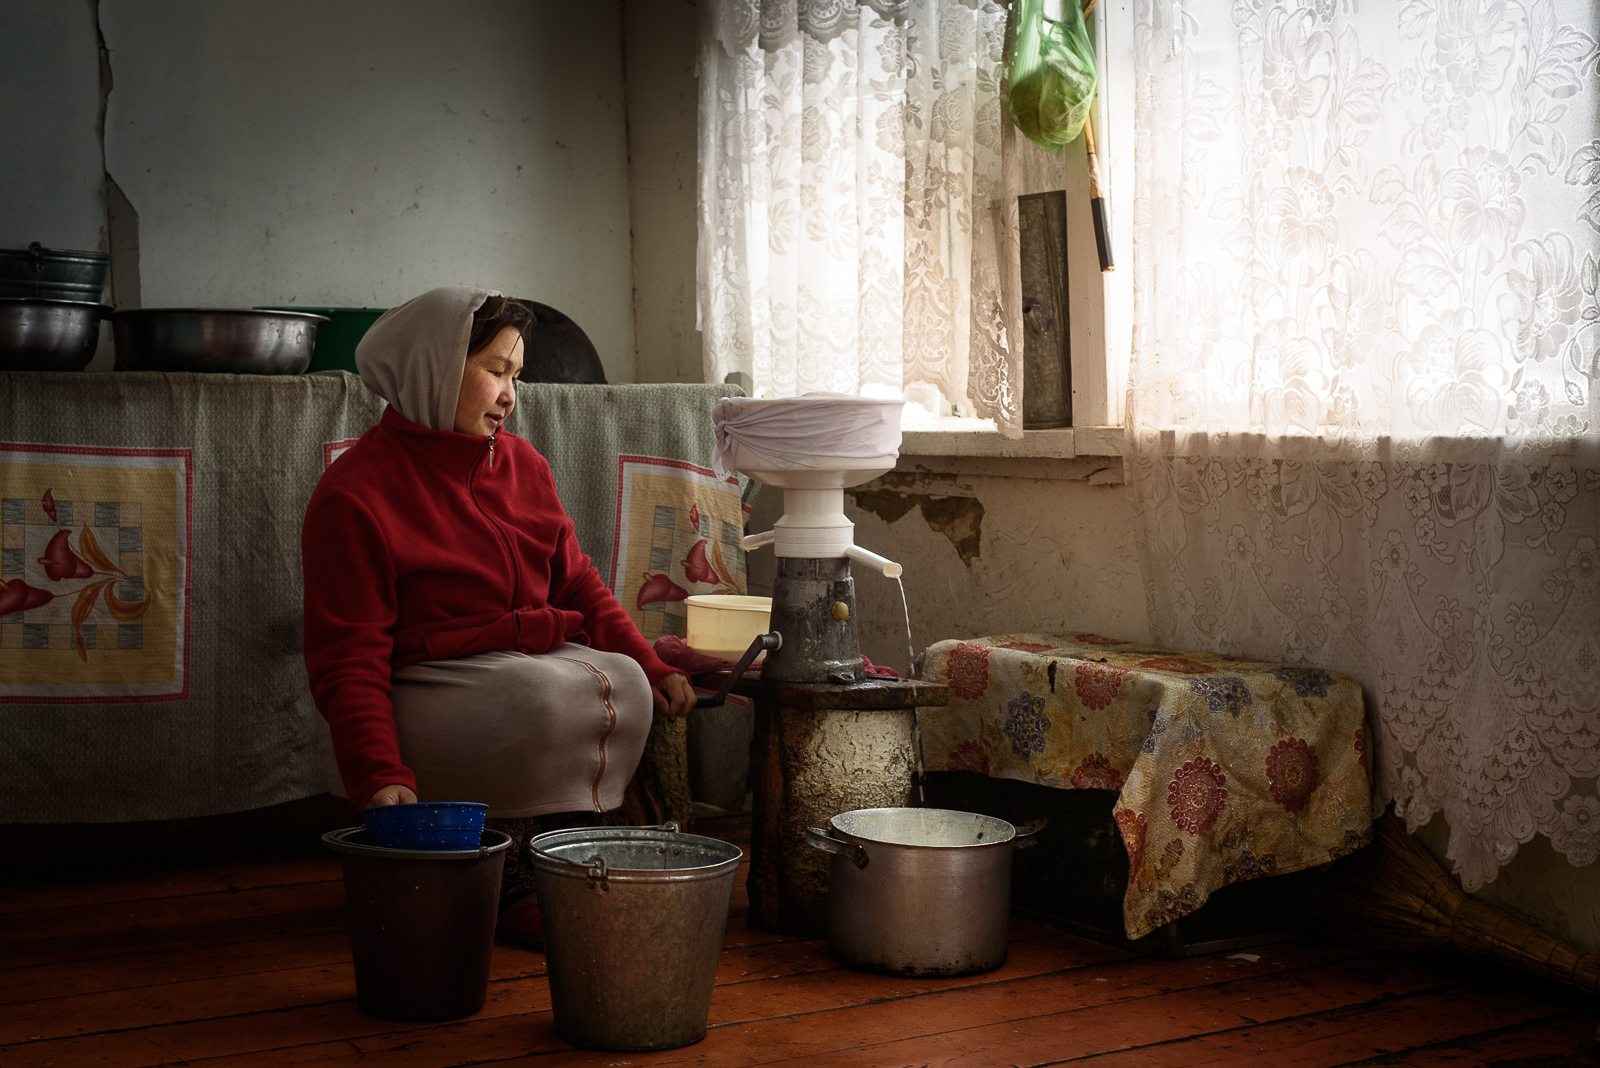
column 520, row 925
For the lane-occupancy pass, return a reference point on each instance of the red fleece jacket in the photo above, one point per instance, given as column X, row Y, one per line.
column 425, row 544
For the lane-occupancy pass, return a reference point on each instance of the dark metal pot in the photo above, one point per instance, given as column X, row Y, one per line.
column 244, row 342
column 53, row 273
column 48, row 335
column 919, row 891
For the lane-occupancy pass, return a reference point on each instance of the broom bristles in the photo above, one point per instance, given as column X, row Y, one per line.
column 1394, row 896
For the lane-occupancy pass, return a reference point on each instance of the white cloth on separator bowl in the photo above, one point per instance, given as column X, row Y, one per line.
column 805, row 431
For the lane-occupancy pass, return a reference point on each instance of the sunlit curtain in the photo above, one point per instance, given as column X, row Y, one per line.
column 857, row 200
column 1363, row 425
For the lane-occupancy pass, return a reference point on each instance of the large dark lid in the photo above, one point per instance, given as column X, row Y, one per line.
column 558, row 350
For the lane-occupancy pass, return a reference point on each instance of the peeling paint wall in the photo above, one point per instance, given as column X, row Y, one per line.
column 988, row 547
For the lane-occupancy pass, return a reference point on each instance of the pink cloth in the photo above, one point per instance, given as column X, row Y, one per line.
column 675, row 652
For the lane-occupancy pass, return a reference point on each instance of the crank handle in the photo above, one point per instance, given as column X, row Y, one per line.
column 772, row 641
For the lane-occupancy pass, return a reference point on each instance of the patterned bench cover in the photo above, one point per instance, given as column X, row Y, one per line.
column 1228, row 768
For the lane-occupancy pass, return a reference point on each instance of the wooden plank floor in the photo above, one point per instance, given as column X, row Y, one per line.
column 246, row 962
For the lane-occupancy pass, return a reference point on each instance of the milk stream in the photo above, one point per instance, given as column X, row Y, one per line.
column 916, row 713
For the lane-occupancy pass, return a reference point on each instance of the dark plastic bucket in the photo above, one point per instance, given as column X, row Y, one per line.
column 421, row 924
column 633, row 925
column 425, row 825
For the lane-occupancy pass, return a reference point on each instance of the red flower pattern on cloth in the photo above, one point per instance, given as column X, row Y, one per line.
column 1241, row 659
column 1132, row 826
column 1096, row 773
column 1025, row 647
column 696, row 566
column 48, row 502
column 1361, row 746
column 1197, row 795
column 1180, row 664
column 659, row 588
column 970, row 755
column 1097, row 684
column 1293, row 774
column 60, row 562
column 18, row 596
column 1095, row 639
column 694, row 516
column 969, row 670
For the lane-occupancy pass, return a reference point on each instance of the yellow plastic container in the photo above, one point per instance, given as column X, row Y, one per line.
column 724, row 625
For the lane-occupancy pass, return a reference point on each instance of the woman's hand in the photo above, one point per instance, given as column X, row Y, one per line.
column 673, row 695
column 393, row 795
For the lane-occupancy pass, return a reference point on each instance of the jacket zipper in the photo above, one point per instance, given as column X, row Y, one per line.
column 505, row 543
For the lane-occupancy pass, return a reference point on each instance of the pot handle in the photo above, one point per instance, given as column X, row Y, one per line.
column 1025, row 837
column 817, row 838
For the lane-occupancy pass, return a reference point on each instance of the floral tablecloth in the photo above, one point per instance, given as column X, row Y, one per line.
column 1227, row 768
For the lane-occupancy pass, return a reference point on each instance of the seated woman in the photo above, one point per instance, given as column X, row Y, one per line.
column 458, row 641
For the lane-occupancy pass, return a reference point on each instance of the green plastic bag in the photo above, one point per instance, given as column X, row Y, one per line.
column 1052, row 73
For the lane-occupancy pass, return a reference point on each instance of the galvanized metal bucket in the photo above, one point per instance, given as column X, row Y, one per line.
column 633, row 925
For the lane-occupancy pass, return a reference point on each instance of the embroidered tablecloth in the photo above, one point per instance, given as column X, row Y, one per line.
column 1227, row 768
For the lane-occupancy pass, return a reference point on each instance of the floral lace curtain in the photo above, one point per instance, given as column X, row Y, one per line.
column 858, row 200
column 1363, row 425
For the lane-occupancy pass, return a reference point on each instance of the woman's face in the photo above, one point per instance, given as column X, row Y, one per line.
column 488, row 385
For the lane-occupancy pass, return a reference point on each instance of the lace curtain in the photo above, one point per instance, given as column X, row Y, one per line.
column 1363, row 425
column 858, row 200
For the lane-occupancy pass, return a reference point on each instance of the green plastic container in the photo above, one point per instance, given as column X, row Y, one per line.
column 335, row 349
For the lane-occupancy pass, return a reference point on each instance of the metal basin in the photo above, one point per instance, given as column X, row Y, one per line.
column 53, row 273
column 919, row 891
column 48, row 335
column 244, row 342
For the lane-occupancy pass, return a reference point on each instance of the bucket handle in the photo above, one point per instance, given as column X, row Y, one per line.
column 596, row 865
column 817, row 838
column 1025, row 837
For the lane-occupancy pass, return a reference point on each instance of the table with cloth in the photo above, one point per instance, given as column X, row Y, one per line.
column 1227, row 768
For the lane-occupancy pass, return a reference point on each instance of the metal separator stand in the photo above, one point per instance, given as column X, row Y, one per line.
column 820, row 750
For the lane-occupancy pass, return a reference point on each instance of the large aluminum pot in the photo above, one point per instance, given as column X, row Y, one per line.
column 243, row 342
column 48, row 335
column 919, row 891
column 53, row 273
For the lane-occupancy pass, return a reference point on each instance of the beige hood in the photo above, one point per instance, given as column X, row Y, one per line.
column 414, row 355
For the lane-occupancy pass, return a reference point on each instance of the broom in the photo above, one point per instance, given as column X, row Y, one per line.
column 1394, row 896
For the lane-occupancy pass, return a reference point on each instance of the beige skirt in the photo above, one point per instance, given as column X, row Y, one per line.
column 525, row 735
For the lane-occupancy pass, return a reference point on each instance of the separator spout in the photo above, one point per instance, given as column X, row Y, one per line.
column 882, row 564
column 756, row 541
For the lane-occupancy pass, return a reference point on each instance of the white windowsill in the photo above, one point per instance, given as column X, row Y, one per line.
column 1066, row 443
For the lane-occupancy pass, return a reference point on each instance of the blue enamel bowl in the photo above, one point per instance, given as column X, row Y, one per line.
column 425, row 825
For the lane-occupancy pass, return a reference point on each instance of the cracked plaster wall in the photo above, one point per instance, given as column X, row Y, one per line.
column 985, row 553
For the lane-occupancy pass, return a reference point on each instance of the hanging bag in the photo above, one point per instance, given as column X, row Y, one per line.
column 1052, row 73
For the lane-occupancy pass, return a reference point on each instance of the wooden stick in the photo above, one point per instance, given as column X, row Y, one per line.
column 1097, row 197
